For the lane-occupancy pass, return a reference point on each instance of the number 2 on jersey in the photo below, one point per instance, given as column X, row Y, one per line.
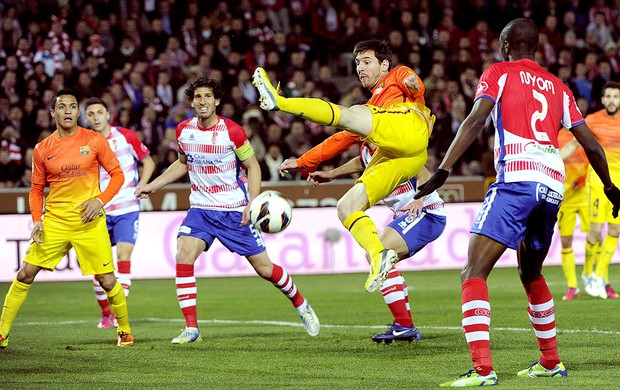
column 539, row 116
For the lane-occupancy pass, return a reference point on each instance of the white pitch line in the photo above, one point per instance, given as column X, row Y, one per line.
column 297, row 324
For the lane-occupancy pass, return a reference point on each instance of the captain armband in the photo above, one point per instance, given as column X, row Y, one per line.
column 245, row 151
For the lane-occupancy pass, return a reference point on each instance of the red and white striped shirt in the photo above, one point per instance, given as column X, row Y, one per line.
column 531, row 105
column 218, row 180
column 128, row 150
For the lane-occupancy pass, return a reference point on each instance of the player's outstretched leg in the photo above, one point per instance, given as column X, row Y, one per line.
column 315, row 110
column 283, row 281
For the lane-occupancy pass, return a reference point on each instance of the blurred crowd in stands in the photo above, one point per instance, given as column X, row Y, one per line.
column 138, row 56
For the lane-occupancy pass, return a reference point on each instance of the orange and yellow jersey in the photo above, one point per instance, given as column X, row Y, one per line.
column 576, row 164
column 391, row 89
column 606, row 129
column 331, row 147
column 71, row 168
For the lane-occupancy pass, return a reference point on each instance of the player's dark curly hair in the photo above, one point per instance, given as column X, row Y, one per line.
column 60, row 93
column 203, row 82
column 381, row 48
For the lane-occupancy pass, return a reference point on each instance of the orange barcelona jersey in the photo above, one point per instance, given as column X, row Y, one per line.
column 71, row 168
column 576, row 164
column 391, row 89
column 607, row 130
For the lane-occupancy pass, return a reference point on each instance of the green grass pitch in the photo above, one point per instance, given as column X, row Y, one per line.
column 253, row 338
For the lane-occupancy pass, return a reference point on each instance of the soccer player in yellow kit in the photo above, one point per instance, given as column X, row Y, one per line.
column 394, row 118
column 575, row 204
column 69, row 161
column 605, row 125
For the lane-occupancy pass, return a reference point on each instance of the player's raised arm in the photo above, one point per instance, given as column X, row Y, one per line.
column 175, row 171
column 354, row 165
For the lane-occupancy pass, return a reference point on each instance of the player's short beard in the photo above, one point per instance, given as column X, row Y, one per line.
column 611, row 113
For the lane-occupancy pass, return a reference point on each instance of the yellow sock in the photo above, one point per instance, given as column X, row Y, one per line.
column 117, row 299
column 316, row 110
column 364, row 231
column 592, row 251
column 12, row 303
column 568, row 266
column 607, row 252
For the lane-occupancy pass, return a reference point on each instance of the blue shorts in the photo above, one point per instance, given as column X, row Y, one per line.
column 420, row 231
column 516, row 212
column 208, row 225
column 123, row 228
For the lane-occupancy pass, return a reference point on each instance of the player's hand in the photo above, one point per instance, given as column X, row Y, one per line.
column 318, row 177
column 412, row 83
column 613, row 194
column 439, row 177
column 245, row 217
column 414, row 209
column 289, row 163
column 37, row 229
column 143, row 191
column 90, row 209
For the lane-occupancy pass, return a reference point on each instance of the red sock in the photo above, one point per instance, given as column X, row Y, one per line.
column 542, row 315
column 394, row 291
column 124, row 275
column 476, row 323
column 123, row 266
column 186, row 293
column 282, row 280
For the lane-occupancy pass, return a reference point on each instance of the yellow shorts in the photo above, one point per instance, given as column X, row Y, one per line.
column 401, row 133
column 91, row 243
column 401, row 130
column 573, row 205
column 600, row 206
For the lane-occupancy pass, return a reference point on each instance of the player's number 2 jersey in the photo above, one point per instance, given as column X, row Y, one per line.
column 527, row 121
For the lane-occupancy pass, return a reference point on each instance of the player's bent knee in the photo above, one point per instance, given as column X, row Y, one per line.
column 25, row 278
column 107, row 281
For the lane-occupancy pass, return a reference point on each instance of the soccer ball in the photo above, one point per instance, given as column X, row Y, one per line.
column 270, row 212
